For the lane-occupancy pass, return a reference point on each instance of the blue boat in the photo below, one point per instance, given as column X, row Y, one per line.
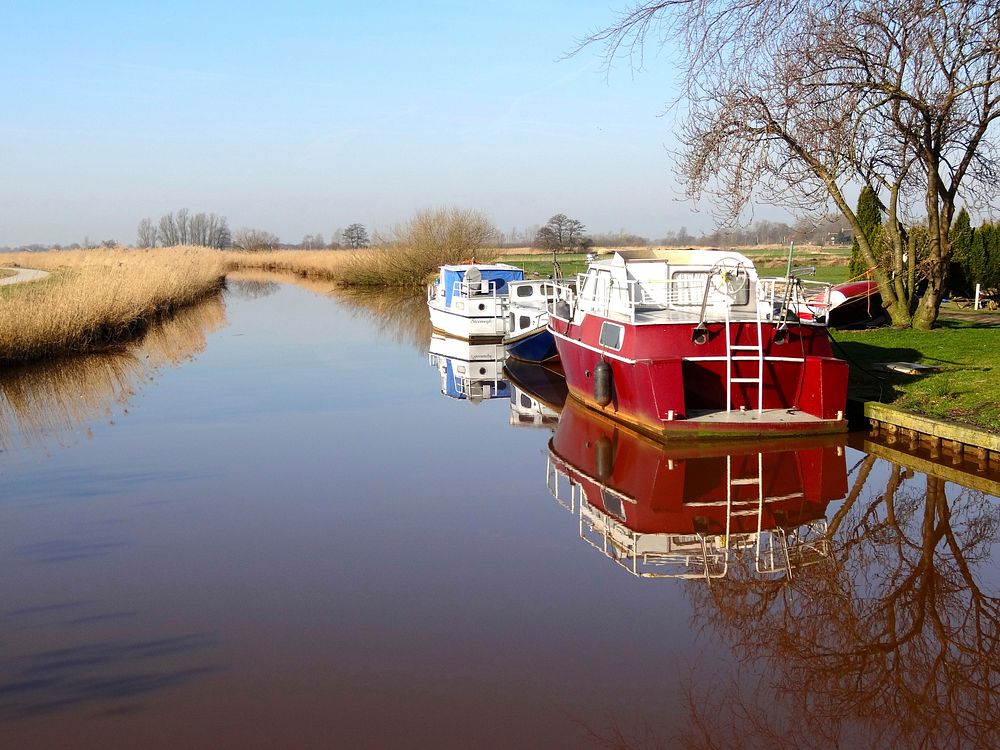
column 528, row 337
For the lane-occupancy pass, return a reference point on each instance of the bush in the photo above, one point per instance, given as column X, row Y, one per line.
column 415, row 250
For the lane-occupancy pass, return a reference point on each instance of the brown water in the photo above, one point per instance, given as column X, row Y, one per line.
column 266, row 526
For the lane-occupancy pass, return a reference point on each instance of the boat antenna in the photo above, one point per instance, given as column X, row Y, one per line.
column 791, row 249
column 556, row 270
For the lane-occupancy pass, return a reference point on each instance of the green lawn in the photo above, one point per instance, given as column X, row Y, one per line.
column 964, row 386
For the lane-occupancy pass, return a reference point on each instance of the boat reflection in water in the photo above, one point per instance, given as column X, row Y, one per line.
column 469, row 372
column 538, row 393
column 689, row 509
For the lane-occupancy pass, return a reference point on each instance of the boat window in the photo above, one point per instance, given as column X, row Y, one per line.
column 611, row 335
column 525, row 401
column 524, row 322
column 613, row 504
column 525, row 290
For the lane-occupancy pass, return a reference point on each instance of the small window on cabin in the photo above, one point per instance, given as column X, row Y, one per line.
column 523, row 322
column 525, row 291
column 611, row 335
column 525, row 401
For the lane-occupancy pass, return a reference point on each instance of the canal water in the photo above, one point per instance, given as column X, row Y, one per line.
column 279, row 522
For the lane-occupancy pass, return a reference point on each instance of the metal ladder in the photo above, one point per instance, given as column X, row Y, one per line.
column 758, row 348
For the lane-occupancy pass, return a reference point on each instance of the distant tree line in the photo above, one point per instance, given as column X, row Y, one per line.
column 183, row 228
column 825, row 231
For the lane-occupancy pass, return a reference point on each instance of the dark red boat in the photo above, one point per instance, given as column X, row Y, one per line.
column 854, row 304
column 693, row 343
column 689, row 508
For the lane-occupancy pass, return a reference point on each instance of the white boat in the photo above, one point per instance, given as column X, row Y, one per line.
column 470, row 301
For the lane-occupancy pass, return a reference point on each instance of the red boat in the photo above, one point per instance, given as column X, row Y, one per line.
column 689, row 508
column 853, row 304
column 692, row 342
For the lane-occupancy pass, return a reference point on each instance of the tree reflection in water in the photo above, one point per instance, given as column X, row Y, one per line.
column 890, row 643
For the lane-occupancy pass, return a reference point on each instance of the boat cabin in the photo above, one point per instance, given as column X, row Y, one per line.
column 474, row 280
column 684, row 285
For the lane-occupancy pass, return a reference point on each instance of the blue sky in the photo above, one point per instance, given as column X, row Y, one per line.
column 302, row 117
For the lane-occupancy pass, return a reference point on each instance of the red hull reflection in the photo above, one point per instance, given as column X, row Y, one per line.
column 684, row 510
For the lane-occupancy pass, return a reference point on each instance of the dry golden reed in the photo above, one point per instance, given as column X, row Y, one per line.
column 40, row 401
column 95, row 297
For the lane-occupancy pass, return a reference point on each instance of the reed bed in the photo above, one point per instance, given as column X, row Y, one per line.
column 310, row 264
column 97, row 297
column 40, row 401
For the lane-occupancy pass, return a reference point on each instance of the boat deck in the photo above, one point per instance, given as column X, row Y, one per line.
column 751, row 416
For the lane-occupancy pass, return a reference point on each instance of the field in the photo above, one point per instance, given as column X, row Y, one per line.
column 830, row 262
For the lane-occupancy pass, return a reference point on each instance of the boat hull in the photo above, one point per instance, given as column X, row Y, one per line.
column 534, row 346
column 486, row 325
column 664, row 384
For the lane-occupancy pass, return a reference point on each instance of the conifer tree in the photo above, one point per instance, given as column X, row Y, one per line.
column 870, row 217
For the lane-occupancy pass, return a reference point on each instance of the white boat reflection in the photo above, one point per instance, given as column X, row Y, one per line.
column 538, row 393
column 469, row 371
column 689, row 510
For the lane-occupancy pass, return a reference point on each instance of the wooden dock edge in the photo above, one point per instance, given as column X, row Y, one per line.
column 942, row 439
column 950, row 431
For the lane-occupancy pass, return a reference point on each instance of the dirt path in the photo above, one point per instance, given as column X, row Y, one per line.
column 22, row 275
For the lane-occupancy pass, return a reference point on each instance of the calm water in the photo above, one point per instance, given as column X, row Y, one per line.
column 267, row 526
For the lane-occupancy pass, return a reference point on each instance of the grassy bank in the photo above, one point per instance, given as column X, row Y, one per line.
column 962, row 385
column 97, row 297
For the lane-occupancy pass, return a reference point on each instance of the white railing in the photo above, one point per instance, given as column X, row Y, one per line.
column 599, row 295
column 798, row 295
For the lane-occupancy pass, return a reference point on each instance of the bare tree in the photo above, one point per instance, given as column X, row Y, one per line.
column 254, row 240
column 795, row 104
column 560, row 233
column 355, row 236
column 167, row 231
column 313, row 242
column 146, row 234
column 207, row 230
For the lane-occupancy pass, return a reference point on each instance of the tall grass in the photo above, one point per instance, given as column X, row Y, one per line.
column 315, row 264
column 96, row 297
column 40, row 400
